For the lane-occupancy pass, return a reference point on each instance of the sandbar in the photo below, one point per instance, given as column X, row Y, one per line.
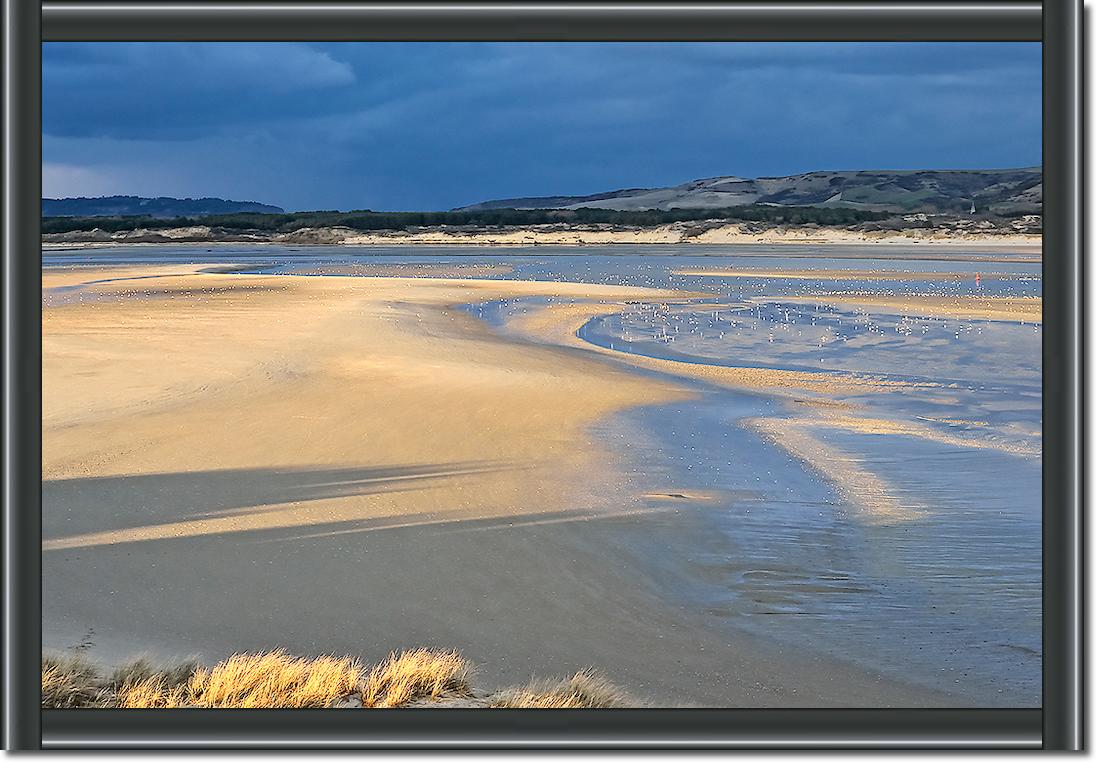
column 1015, row 309
column 355, row 465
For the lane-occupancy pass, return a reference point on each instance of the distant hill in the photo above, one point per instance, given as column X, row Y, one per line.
column 161, row 208
column 1002, row 191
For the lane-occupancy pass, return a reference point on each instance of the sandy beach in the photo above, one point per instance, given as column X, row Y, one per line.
column 724, row 234
column 355, row 465
column 677, row 234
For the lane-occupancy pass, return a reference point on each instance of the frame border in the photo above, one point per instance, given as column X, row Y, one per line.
column 541, row 729
column 775, row 20
column 1063, row 382
column 1057, row 726
column 22, row 383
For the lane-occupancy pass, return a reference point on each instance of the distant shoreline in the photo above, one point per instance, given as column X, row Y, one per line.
column 677, row 235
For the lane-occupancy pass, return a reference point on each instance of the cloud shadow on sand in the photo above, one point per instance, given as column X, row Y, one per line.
column 115, row 509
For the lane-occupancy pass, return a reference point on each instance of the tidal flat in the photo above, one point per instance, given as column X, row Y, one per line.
column 744, row 476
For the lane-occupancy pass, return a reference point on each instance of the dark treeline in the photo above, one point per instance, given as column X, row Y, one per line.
column 369, row 220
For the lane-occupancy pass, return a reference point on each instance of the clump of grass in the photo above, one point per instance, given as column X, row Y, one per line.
column 417, row 674
column 139, row 685
column 274, row 680
column 271, row 680
column 151, row 693
column 70, row 683
column 584, row 690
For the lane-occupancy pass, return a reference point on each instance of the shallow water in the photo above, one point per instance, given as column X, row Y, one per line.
column 948, row 597
column 951, row 599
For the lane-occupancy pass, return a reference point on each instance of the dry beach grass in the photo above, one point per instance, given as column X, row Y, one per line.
column 583, row 690
column 276, row 680
column 416, row 674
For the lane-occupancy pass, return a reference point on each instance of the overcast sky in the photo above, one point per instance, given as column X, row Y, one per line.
column 436, row 125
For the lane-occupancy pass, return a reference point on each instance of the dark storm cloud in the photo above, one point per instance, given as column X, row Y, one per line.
column 419, row 125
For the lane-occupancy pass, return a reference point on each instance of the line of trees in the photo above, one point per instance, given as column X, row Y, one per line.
column 367, row 220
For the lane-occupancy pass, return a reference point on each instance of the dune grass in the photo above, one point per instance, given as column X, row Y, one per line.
column 277, row 680
column 270, row 680
column 414, row 675
column 70, row 683
column 584, row 690
column 151, row 693
column 141, row 670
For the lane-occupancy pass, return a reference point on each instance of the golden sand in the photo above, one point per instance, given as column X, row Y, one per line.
column 211, row 375
column 409, row 270
column 1005, row 308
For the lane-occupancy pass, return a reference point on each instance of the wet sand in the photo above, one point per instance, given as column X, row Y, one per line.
column 815, row 398
column 559, row 324
column 1012, row 309
column 355, row 465
column 820, row 403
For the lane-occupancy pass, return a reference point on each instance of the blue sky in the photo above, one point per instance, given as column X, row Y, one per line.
column 437, row 125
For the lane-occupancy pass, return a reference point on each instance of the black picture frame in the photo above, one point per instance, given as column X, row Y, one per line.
column 1058, row 725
